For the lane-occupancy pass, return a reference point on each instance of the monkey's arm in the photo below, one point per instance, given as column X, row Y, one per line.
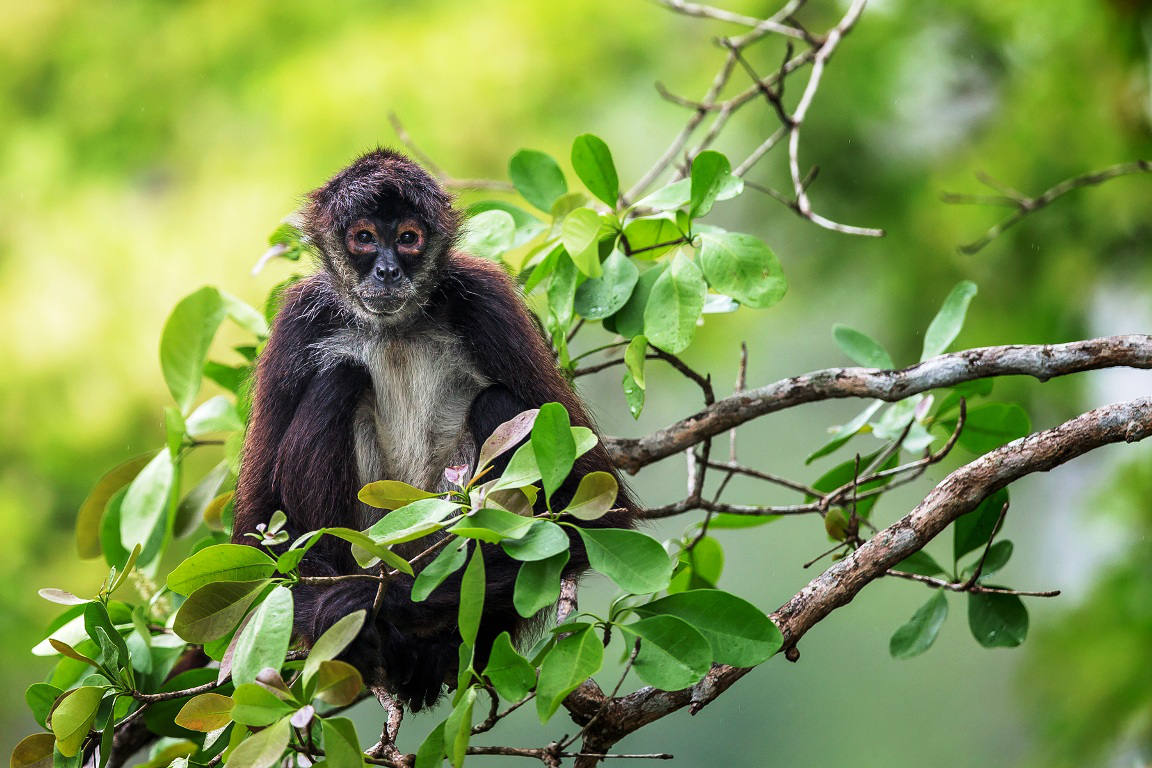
column 285, row 369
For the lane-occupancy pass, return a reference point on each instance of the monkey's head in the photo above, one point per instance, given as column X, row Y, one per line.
column 384, row 228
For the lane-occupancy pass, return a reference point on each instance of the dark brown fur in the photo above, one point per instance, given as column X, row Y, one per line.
column 298, row 454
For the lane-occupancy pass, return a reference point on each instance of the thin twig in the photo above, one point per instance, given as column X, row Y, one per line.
column 1026, row 206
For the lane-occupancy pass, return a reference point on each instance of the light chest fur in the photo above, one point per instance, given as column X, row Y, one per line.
column 413, row 422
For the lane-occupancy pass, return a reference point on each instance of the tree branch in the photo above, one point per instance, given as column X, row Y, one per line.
column 960, row 492
column 1040, row 361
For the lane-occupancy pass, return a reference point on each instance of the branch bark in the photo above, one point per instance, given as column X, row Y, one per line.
column 1040, row 361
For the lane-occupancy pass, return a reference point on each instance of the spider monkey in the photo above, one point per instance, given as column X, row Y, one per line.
column 395, row 360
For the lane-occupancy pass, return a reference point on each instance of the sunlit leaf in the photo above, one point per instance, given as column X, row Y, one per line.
column 220, row 562
column 391, row 494
column 945, row 327
column 743, row 267
column 861, row 348
column 206, row 712
column 674, row 305
column 92, row 510
column 592, row 161
column 333, row 642
column 635, row 561
column 73, row 716
column 602, row 296
column 595, row 495
column 488, row 234
column 184, row 343
column 337, row 683
column 537, row 178
column 264, row 639
column 580, row 234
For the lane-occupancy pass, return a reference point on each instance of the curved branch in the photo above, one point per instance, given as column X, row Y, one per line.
column 960, row 492
column 1040, row 361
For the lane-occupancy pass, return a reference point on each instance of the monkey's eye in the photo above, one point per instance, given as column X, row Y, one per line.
column 408, row 237
column 364, row 236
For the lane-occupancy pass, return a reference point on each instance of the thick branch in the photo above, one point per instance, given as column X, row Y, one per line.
column 1041, row 361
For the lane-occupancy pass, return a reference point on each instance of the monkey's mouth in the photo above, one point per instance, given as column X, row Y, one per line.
column 383, row 302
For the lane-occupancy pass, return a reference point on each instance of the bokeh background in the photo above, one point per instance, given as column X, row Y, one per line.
column 147, row 148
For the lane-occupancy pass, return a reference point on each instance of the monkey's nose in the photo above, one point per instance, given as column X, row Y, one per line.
column 387, row 273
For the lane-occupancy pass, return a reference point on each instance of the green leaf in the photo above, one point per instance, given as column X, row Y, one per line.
column 595, row 495
column 673, row 655
column 845, row 432
column 489, row 234
column 602, row 296
column 991, row 425
column 472, row 586
column 458, row 728
column 190, row 512
column 33, row 751
column 367, row 550
column 997, row 621
column 862, row 348
column 571, row 661
column 544, row 539
column 537, row 178
column 40, row 697
column 522, row 470
column 144, row 510
column 505, row 437
column 674, row 305
column 333, row 642
column 920, row 563
column 580, row 234
column 538, row 584
column 214, row 609
column 973, row 529
column 263, row 749
column 96, row 620
column 216, row 414
column 391, row 494
column 92, row 510
column 337, row 682
column 205, row 713
column 73, row 716
column 253, row 704
column 709, row 171
column 592, row 162
column 184, row 343
column 634, row 561
column 845, row 472
column 634, row 356
column 553, row 446
column 562, row 291
column 652, row 237
column 412, row 521
column 702, row 566
column 738, row 632
column 264, row 640
column 633, row 394
column 220, row 562
column 450, row 560
column 509, row 672
column 917, row 636
column 945, row 327
column 492, row 525
column 431, row 751
column 629, row 321
column 743, row 267
column 245, row 315
column 341, row 744
column 998, row 556
column 668, row 197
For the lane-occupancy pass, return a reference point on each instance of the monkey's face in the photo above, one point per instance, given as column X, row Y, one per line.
column 387, row 257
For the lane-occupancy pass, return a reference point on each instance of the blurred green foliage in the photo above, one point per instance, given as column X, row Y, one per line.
column 146, row 147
